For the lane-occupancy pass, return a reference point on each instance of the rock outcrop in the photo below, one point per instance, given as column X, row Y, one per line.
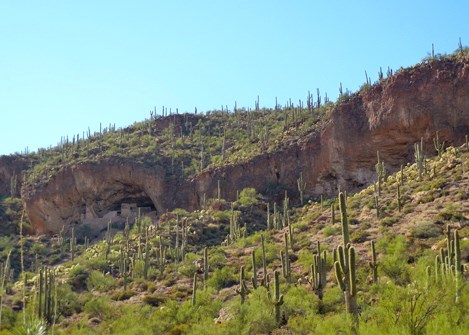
column 390, row 117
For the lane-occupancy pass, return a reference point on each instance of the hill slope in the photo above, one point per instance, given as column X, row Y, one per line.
column 180, row 159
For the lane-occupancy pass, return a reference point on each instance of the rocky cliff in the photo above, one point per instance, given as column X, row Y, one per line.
column 389, row 116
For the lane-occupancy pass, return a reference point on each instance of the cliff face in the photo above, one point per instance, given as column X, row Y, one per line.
column 389, row 117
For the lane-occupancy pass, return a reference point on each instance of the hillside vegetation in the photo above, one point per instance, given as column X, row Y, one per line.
column 185, row 144
column 390, row 259
column 159, row 277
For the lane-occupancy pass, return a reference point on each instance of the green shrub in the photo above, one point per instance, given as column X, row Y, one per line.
column 98, row 281
column 153, row 299
column 78, row 277
column 248, row 197
column 222, row 278
column 425, row 230
column 359, row 236
column 394, row 260
column 68, row 302
column 99, row 307
column 388, row 221
column 332, row 230
column 121, row 295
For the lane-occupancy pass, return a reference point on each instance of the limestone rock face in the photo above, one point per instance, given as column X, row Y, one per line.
column 388, row 117
column 87, row 192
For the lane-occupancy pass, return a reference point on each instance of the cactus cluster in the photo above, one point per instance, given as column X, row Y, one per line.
column 46, row 295
column 448, row 262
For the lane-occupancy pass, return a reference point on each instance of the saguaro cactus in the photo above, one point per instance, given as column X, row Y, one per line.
column 346, row 278
column 301, row 187
column 343, row 219
column 399, row 198
column 344, row 265
column 318, row 272
column 448, row 263
column 205, row 267
column 73, row 243
column 254, row 270
column 194, row 290
column 419, row 158
column 242, row 290
column 439, row 147
column 374, row 264
column 285, row 258
column 381, row 172
column 265, row 279
column 278, row 298
column 332, row 214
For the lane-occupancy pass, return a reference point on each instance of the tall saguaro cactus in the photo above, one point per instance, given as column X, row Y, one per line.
column 346, row 278
column 439, row 146
column 242, row 290
column 194, row 290
column 205, row 267
column 301, row 187
column 374, row 264
column 344, row 265
column 419, row 158
column 278, row 298
column 344, row 219
column 381, row 172
column 318, row 272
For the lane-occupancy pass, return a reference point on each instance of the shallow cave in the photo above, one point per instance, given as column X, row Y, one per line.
column 140, row 199
column 126, row 194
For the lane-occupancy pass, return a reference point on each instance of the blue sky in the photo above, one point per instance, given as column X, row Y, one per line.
column 69, row 65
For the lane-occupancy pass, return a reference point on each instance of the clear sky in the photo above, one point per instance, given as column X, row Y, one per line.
column 68, row 65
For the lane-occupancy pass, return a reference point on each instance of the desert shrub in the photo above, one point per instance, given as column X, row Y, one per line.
column 388, row 221
column 359, row 236
column 68, row 303
column 300, row 301
column 8, row 318
column 394, row 260
column 222, row 216
column 248, row 197
column 216, row 258
column 451, row 212
column 99, row 307
column 77, row 277
column 98, row 281
column 188, row 267
column 222, row 278
column 332, row 230
column 425, row 230
column 153, row 300
column 120, row 295
column 271, row 252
